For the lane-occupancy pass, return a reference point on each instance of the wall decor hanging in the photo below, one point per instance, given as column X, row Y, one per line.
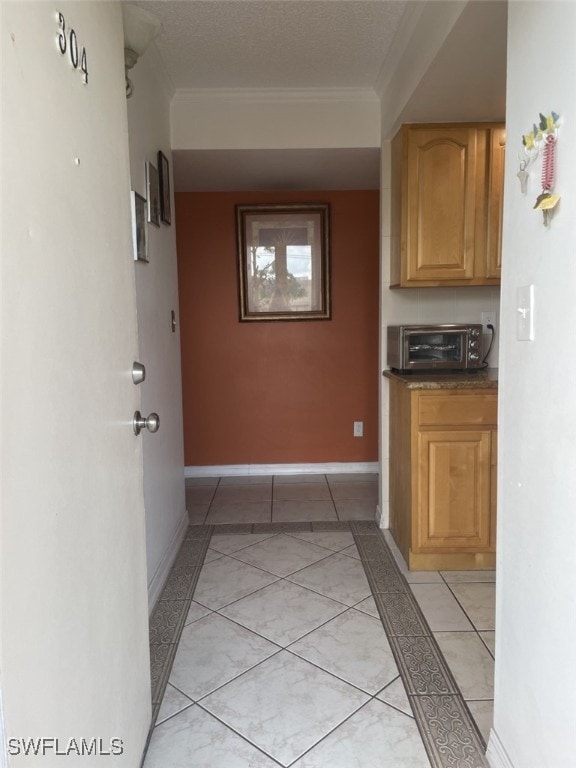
column 541, row 140
column 153, row 192
column 283, row 261
column 139, row 229
column 164, row 174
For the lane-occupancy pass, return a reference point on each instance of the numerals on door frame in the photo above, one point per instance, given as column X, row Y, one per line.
column 68, row 43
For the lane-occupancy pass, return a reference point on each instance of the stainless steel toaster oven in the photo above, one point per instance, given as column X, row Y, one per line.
column 434, row 347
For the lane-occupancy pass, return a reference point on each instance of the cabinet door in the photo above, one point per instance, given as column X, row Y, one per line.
column 454, row 491
column 495, row 204
column 441, row 200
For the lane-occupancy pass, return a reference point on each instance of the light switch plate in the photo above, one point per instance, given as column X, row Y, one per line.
column 525, row 313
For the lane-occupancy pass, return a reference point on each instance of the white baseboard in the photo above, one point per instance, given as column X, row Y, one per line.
column 496, row 754
column 231, row 470
column 159, row 579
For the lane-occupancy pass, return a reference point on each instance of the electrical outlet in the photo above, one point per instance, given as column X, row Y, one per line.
column 488, row 318
column 358, row 429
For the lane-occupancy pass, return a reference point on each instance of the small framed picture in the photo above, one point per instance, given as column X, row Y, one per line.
column 164, row 170
column 139, row 228
column 153, row 190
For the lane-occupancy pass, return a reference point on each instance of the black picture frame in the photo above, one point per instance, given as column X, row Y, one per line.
column 164, row 174
column 139, row 228
column 153, row 192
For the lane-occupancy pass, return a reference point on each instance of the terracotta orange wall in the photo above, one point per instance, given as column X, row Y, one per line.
column 277, row 392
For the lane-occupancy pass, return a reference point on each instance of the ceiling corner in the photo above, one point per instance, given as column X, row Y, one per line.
column 160, row 70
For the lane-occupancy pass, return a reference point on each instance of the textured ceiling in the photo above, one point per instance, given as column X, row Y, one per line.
column 303, row 44
column 275, row 43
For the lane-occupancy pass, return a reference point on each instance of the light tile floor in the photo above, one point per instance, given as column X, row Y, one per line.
column 283, row 659
column 281, row 498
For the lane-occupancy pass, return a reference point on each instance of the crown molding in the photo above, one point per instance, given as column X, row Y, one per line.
column 274, row 95
column 422, row 33
column 408, row 25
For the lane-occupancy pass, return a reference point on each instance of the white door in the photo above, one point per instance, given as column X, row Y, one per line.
column 74, row 649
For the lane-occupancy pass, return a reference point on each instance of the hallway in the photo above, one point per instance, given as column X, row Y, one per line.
column 287, row 635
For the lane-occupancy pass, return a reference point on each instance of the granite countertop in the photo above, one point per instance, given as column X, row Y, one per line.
column 484, row 379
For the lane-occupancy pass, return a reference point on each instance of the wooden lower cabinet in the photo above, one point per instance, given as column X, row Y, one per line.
column 453, row 490
column 443, row 476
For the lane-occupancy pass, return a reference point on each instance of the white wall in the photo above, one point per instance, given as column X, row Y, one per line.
column 417, row 305
column 535, row 706
column 158, row 347
column 74, row 642
column 282, row 119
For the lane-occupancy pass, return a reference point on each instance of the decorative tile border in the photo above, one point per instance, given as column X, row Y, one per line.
column 169, row 614
column 331, row 525
column 234, row 528
column 282, row 527
column 167, row 621
column 425, row 669
column 365, row 527
column 450, row 735
column 400, row 615
column 161, row 658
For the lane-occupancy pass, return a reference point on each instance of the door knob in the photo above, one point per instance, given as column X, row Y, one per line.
column 152, row 423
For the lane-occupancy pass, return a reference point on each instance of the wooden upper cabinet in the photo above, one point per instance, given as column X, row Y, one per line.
column 441, row 204
column 446, row 205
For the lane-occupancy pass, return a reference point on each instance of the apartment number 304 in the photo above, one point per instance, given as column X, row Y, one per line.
column 68, row 44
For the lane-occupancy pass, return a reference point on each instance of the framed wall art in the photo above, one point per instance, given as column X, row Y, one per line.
column 164, row 171
column 283, row 262
column 153, row 191
column 139, row 227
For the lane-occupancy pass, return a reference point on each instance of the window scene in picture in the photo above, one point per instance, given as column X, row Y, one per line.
column 281, row 273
